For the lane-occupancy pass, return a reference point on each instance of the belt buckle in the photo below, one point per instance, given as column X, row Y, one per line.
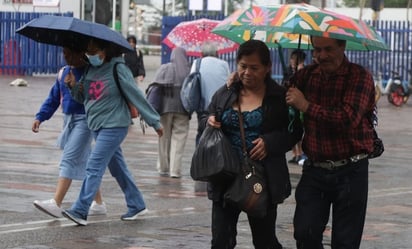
column 356, row 158
column 331, row 163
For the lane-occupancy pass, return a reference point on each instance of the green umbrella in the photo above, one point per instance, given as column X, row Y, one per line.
column 296, row 22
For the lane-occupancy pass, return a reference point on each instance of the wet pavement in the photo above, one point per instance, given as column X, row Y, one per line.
column 178, row 216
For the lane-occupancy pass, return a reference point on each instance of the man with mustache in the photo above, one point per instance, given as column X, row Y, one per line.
column 337, row 99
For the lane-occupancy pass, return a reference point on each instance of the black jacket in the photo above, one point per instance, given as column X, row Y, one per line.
column 274, row 132
column 134, row 60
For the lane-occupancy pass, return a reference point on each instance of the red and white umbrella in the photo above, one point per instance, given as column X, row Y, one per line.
column 191, row 35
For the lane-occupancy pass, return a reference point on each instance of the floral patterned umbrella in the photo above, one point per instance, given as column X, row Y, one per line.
column 301, row 21
column 191, row 35
column 262, row 23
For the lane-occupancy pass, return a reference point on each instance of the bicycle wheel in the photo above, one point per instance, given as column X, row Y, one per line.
column 396, row 97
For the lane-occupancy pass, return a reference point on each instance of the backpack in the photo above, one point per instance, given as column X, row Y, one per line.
column 191, row 94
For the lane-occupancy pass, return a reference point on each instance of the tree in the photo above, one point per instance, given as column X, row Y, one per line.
column 388, row 4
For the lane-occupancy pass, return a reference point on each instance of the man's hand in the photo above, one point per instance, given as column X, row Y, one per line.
column 233, row 77
column 295, row 98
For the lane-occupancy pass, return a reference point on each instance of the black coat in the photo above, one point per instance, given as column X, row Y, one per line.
column 274, row 133
column 134, row 60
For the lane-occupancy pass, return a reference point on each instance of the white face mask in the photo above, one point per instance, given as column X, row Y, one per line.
column 94, row 60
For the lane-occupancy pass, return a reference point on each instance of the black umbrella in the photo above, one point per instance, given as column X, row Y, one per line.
column 71, row 32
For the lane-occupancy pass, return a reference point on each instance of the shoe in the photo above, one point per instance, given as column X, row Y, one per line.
column 97, row 209
column 301, row 159
column 175, row 176
column 49, row 207
column 293, row 160
column 163, row 174
column 133, row 216
column 69, row 215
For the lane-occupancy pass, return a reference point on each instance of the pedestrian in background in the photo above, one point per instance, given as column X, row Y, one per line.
column 108, row 117
column 296, row 62
column 134, row 60
column 173, row 116
column 75, row 139
column 265, row 118
column 214, row 74
column 337, row 98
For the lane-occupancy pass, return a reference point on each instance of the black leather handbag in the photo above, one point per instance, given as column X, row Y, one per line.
column 249, row 190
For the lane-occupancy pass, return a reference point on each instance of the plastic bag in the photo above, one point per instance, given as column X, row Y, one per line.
column 214, row 159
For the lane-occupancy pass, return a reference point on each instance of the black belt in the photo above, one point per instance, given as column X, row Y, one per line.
column 331, row 165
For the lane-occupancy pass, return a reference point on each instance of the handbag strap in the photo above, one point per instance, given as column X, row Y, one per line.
column 198, row 62
column 242, row 129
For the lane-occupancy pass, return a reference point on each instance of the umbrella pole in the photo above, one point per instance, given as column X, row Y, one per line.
column 282, row 59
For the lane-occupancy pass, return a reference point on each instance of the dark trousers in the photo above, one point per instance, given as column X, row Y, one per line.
column 224, row 223
column 346, row 191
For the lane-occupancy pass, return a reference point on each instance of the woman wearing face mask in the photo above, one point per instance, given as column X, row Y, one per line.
column 108, row 117
column 76, row 141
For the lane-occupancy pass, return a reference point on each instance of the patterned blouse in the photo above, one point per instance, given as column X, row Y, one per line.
column 252, row 121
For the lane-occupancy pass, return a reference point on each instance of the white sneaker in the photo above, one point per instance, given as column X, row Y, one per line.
column 49, row 207
column 97, row 209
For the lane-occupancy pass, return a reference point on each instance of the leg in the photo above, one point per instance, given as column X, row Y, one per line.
column 118, row 169
column 52, row 207
column 180, row 130
column 294, row 155
column 163, row 159
column 224, row 223
column 349, row 207
column 98, row 197
column 63, row 185
column 72, row 164
column 107, row 142
column 75, row 155
column 312, row 210
column 264, row 230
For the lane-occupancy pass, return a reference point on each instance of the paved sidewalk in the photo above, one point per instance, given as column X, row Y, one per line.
column 178, row 217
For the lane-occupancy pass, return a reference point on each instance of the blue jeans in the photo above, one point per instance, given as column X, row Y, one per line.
column 107, row 151
column 345, row 190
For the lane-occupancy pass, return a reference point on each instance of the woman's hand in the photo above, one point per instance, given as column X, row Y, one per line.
column 259, row 150
column 159, row 132
column 212, row 122
column 35, row 126
column 70, row 79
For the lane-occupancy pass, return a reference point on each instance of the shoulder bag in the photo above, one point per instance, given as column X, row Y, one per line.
column 249, row 189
